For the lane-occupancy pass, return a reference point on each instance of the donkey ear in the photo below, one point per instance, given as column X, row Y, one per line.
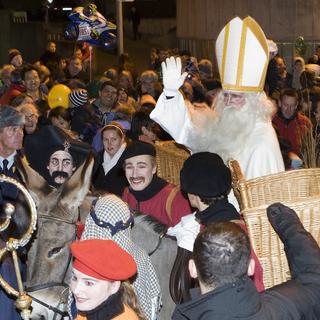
column 76, row 188
column 36, row 184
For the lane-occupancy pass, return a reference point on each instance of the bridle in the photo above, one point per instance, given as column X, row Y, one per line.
column 61, row 301
column 55, row 309
column 161, row 236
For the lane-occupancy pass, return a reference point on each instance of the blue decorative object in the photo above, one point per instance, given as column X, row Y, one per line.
column 88, row 25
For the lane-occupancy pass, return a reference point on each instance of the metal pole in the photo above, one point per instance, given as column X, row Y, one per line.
column 46, row 16
column 119, row 27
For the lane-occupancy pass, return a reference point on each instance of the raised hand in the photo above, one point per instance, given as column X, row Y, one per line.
column 172, row 77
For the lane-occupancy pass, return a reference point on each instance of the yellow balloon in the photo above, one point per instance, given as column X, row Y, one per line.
column 59, row 96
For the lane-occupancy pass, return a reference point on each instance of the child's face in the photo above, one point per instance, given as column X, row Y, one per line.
column 60, row 122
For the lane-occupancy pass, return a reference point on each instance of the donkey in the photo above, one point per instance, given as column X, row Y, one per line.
column 150, row 235
column 49, row 257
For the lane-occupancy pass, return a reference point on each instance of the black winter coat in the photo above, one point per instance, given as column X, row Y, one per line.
column 114, row 181
column 296, row 299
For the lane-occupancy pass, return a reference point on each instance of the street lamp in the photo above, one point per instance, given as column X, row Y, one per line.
column 120, row 25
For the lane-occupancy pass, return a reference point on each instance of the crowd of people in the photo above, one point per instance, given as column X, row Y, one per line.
column 117, row 118
column 119, row 94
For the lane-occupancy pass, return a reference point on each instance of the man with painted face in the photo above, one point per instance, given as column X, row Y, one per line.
column 61, row 165
column 238, row 125
column 60, row 154
column 147, row 193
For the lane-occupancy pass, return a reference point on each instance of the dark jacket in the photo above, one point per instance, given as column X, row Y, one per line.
column 84, row 123
column 7, row 302
column 219, row 211
column 50, row 59
column 9, row 193
column 296, row 299
column 222, row 211
column 114, row 181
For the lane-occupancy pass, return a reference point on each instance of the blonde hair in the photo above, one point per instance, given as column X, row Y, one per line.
column 130, row 299
column 116, row 127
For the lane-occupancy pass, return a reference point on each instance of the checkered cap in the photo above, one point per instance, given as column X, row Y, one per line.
column 114, row 212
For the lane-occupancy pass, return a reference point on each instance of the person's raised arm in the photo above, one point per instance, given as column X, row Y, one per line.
column 172, row 77
column 171, row 112
column 303, row 253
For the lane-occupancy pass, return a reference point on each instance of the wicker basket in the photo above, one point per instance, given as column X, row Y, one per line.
column 268, row 246
column 298, row 189
column 170, row 158
column 285, row 186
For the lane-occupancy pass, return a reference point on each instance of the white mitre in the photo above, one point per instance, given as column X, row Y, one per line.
column 243, row 55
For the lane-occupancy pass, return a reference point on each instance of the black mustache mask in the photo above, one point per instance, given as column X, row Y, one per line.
column 61, row 174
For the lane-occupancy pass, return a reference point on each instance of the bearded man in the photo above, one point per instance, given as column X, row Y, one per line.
column 238, row 125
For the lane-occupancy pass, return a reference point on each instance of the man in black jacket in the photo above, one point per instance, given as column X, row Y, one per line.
column 11, row 137
column 221, row 262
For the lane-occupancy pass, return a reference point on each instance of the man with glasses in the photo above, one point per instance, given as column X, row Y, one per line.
column 31, row 115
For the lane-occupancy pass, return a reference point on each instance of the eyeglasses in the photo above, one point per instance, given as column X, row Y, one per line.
column 31, row 116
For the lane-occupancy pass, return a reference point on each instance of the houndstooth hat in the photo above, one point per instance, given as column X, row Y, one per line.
column 110, row 218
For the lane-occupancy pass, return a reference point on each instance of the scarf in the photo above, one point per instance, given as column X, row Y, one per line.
column 219, row 211
column 146, row 284
column 155, row 186
column 108, row 162
column 107, row 310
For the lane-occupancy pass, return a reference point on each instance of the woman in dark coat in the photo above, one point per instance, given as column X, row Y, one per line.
column 110, row 176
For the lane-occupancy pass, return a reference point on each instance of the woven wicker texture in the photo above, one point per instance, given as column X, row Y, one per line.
column 298, row 189
column 170, row 158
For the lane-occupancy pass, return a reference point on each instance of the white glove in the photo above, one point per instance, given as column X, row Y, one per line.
column 172, row 77
column 185, row 231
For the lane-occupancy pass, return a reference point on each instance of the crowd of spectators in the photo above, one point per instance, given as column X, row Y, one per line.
column 112, row 112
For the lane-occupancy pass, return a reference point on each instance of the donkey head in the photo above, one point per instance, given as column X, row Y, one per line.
column 49, row 255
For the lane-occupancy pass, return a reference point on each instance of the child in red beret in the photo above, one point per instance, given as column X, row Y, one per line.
column 99, row 281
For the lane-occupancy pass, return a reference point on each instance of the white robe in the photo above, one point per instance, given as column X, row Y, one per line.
column 260, row 154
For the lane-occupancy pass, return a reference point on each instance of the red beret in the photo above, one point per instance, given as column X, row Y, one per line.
column 103, row 259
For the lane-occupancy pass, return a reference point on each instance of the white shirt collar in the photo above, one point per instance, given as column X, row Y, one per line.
column 10, row 159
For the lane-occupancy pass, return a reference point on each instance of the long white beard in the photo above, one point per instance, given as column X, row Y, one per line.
column 229, row 133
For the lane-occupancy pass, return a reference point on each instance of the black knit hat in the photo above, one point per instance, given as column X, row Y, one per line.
column 138, row 148
column 39, row 147
column 204, row 174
